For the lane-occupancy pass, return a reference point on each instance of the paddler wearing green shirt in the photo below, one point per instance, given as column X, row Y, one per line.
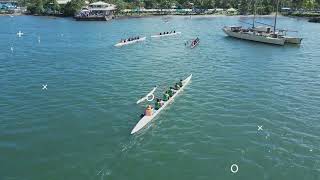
column 171, row 91
column 166, row 96
column 157, row 104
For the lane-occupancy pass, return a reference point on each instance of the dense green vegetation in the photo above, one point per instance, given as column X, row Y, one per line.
column 244, row 6
column 51, row 7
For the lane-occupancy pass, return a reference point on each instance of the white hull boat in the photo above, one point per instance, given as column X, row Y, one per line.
column 254, row 37
column 262, row 34
column 163, row 35
column 130, row 42
column 146, row 119
column 193, row 46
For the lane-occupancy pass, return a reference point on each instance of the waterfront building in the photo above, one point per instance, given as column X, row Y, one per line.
column 98, row 11
column 10, row 7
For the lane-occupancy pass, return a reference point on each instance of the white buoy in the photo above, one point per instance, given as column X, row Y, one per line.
column 39, row 40
column 11, row 49
column 19, row 34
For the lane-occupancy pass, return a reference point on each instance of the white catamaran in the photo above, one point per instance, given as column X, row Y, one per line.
column 146, row 119
column 261, row 33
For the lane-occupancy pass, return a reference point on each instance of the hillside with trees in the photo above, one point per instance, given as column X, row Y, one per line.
column 42, row 7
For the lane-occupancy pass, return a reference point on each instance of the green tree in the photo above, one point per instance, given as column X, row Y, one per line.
column 309, row 4
column 119, row 3
column 36, row 7
column 295, row 3
column 163, row 4
column 52, row 6
column 204, row 4
column 72, row 7
column 149, row 4
column 243, row 7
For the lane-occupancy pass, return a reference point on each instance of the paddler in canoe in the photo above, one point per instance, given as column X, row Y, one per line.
column 180, row 83
column 166, row 96
column 194, row 42
column 158, row 104
column 176, row 86
column 171, row 91
column 148, row 111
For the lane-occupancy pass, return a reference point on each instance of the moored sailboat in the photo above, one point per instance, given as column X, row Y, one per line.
column 262, row 34
column 252, row 35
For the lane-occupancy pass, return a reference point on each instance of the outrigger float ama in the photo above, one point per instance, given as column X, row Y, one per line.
column 146, row 97
column 146, row 119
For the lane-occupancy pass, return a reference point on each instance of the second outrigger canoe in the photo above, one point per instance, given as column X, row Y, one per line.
column 162, row 35
column 146, row 119
column 130, row 42
column 194, row 45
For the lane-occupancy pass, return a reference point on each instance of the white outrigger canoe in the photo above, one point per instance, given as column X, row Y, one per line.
column 162, row 35
column 130, row 42
column 146, row 119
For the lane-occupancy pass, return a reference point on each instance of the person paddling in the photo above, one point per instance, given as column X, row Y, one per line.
column 176, row 86
column 166, row 96
column 180, row 83
column 171, row 91
column 157, row 104
column 149, row 111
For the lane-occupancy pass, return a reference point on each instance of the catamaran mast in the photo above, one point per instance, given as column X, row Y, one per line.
column 254, row 14
column 275, row 18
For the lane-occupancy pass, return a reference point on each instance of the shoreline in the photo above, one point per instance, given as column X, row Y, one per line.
column 154, row 15
column 120, row 17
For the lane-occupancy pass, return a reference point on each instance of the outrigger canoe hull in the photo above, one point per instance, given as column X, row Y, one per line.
column 146, row 119
column 193, row 46
column 163, row 35
column 130, row 42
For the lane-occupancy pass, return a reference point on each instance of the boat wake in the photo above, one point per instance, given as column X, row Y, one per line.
column 125, row 148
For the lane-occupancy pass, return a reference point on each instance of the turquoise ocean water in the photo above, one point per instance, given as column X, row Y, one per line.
column 79, row 127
